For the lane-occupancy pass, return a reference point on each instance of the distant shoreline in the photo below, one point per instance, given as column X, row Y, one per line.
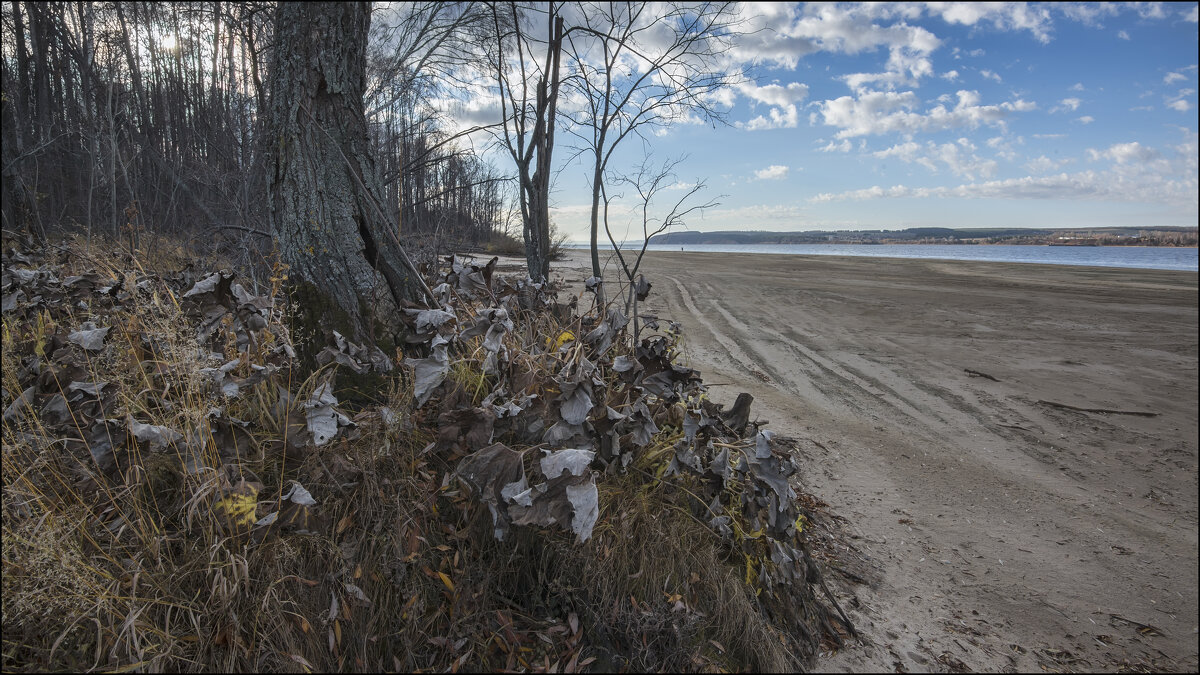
column 1173, row 258
column 633, row 246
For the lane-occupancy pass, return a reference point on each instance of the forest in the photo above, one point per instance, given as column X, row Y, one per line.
column 138, row 120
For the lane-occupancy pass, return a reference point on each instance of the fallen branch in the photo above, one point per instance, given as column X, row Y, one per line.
column 1105, row 411
column 976, row 373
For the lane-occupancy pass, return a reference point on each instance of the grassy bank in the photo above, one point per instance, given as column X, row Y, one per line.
column 180, row 495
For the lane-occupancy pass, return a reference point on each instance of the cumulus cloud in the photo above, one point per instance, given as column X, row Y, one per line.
column 951, row 75
column 773, row 172
column 1123, row 153
column 959, row 157
column 780, row 34
column 1044, row 164
column 786, row 117
column 1067, row 105
column 782, row 99
column 880, row 112
column 1174, row 77
column 1193, row 14
column 1123, row 35
column 1014, row 16
column 775, row 94
column 1136, row 174
column 1179, row 100
column 990, row 75
column 1086, row 119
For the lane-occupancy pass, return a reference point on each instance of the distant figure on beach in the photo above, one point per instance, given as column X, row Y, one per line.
column 680, row 248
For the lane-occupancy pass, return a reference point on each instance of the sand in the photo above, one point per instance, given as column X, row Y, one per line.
column 984, row 528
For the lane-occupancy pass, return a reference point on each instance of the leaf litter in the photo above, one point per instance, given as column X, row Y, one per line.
column 526, row 500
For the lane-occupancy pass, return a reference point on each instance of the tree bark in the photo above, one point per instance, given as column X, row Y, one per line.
column 324, row 192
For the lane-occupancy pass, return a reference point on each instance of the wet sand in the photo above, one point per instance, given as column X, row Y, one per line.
column 992, row 522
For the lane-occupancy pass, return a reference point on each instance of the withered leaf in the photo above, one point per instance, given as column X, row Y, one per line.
column 572, row 460
column 89, row 336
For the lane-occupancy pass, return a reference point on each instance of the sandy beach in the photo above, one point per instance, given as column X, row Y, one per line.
column 947, row 411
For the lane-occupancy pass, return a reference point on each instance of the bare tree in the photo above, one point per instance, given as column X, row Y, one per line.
column 529, row 101
column 323, row 195
column 643, row 66
column 649, row 182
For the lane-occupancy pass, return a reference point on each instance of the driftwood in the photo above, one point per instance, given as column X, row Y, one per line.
column 738, row 416
column 976, row 373
column 1105, row 411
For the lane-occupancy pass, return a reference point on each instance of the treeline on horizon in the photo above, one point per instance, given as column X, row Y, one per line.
column 1155, row 235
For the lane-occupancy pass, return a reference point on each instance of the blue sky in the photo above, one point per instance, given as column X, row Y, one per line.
column 866, row 116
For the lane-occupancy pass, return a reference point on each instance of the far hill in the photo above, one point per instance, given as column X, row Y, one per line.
column 1145, row 236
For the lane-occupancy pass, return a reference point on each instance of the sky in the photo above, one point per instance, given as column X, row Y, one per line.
column 895, row 115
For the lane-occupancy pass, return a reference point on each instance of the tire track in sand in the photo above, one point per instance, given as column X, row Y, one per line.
column 874, row 387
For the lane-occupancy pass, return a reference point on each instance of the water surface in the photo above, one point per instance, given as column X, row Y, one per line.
column 1147, row 257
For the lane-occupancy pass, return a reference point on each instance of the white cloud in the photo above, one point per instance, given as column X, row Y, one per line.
column 1003, row 147
column 774, row 94
column 1193, row 15
column 786, row 117
column 951, row 75
column 1067, row 105
column 990, row 75
column 782, row 99
column 1002, row 15
column 1178, row 102
column 1123, row 153
column 781, row 34
column 680, row 185
column 1123, row 35
column 1104, row 186
column 1137, row 174
column 1149, row 10
column 773, row 172
column 1173, row 77
column 1088, row 14
column 1086, row 119
column 1049, row 136
column 844, row 146
column 879, row 112
column 959, row 157
column 1078, row 86
column 1044, row 164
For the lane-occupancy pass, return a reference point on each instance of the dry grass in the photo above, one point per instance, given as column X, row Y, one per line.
column 399, row 569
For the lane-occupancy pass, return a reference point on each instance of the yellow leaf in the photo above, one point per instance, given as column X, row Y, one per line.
column 563, row 338
column 337, row 632
column 446, row 580
column 239, row 508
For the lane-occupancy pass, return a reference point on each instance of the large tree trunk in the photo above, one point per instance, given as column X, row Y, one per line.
column 324, row 192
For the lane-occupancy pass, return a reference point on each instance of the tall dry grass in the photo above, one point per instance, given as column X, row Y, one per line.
column 395, row 568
